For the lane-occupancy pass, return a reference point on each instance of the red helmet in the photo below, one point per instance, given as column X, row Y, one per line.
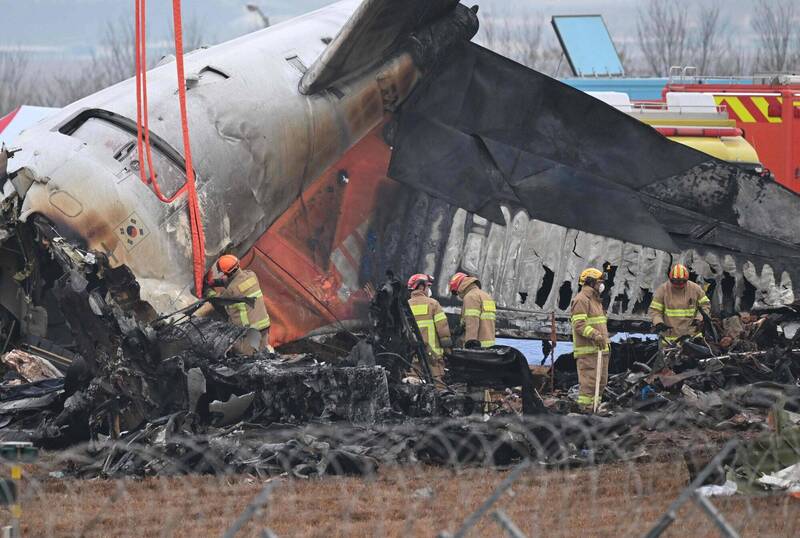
column 418, row 279
column 228, row 263
column 455, row 282
column 679, row 272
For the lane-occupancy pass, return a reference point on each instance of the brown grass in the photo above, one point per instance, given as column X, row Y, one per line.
column 611, row 500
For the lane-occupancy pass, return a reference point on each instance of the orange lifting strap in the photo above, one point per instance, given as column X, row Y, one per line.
column 143, row 135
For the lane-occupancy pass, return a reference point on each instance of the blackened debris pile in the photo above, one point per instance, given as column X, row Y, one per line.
column 180, row 400
column 749, row 349
column 169, row 446
column 138, row 373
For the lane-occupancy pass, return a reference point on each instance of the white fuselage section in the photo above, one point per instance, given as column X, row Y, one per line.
column 256, row 144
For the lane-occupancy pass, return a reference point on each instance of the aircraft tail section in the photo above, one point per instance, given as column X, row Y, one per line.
column 373, row 33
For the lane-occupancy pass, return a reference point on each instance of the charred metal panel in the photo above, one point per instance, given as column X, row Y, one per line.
column 735, row 197
column 571, row 160
column 531, row 266
column 527, row 260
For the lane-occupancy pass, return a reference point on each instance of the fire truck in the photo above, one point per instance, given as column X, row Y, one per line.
column 694, row 120
column 767, row 111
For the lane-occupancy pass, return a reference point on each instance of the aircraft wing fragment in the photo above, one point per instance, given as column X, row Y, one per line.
column 482, row 131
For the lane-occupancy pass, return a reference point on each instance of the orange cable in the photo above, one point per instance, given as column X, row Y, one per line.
column 144, row 147
column 195, row 222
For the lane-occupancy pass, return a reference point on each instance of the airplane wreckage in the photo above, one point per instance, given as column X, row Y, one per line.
column 362, row 137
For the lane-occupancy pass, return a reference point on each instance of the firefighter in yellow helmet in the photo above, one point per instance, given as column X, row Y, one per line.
column 478, row 312
column 678, row 305
column 589, row 335
column 234, row 282
column 431, row 320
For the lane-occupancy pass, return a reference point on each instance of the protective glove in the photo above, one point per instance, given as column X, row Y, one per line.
column 458, row 331
column 411, row 380
column 598, row 338
column 660, row 327
column 472, row 344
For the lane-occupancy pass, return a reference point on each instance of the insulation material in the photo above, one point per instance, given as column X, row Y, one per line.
column 30, row 367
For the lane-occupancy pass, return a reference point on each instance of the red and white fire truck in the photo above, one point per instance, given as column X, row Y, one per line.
column 768, row 113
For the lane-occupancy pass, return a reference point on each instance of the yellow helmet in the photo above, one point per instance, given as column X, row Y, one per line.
column 593, row 273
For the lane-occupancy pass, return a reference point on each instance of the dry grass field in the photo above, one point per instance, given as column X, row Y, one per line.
column 609, row 500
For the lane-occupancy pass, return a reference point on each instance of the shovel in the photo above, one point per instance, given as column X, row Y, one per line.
column 597, row 374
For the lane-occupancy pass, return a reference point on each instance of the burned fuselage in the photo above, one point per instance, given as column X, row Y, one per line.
column 353, row 139
column 259, row 143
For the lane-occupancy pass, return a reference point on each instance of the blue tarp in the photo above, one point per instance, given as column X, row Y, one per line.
column 532, row 349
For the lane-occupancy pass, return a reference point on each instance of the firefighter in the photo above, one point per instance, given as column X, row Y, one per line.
column 431, row 320
column 478, row 312
column 236, row 282
column 589, row 335
column 678, row 306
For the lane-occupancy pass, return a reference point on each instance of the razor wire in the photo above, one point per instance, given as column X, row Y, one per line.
column 512, row 476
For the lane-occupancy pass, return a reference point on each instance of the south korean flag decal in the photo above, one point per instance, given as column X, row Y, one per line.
column 131, row 231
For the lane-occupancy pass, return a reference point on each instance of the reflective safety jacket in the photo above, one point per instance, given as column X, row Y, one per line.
column 677, row 308
column 588, row 317
column 245, row 284
column 478, row 313
column 432, row 322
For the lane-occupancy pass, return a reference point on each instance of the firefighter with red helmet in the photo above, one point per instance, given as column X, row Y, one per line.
column 478, row 312
column 678, row 306
column 233, row 282
column 431, row 320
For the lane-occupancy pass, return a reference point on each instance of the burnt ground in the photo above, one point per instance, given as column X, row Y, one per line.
column 618, row 499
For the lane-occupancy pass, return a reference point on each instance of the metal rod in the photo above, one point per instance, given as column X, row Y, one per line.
column 722, row 524
column 508, row 525
column 669, row 517
column 742, row 355
column 49, row 355
column 493, row 498
column 597, row 375
column 250, row 510
column 553, row 343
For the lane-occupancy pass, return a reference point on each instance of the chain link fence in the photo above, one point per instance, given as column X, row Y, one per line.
column 546, row 476
column 343, row 437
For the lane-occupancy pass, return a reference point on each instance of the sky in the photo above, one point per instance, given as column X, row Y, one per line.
column 56, row 33
column 75, row 27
